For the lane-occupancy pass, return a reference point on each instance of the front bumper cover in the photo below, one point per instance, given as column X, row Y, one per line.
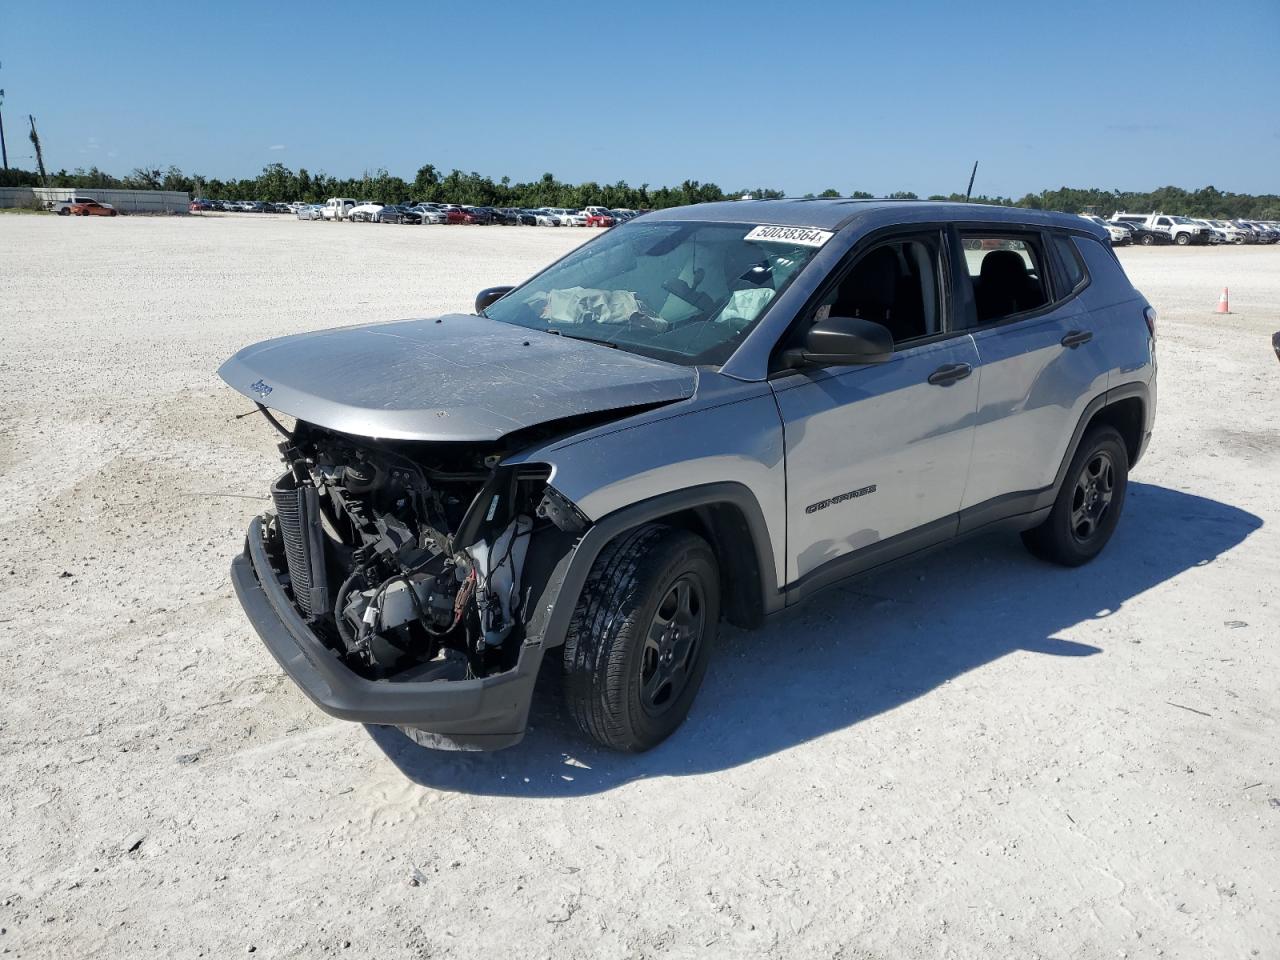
column 487, row 713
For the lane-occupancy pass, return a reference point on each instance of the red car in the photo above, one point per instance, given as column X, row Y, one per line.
column 599, row 220
column 91, row 208
column 456, row 214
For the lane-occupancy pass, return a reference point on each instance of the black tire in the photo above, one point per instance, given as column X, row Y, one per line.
column 64, row 212
column 1182, row 239
column 635, row 652
column 1089, row 505
column 1148, row 239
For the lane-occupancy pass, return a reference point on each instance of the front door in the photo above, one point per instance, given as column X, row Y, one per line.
column 877, row 454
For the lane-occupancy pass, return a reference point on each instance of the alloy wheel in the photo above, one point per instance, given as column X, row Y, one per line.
column 671, row 645
column 1094, row 490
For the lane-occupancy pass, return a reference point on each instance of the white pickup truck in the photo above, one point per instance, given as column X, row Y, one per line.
column 337, row 208
column 1181, row 230
column 63, row 207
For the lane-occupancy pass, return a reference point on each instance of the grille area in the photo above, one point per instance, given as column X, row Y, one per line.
column 298, row 519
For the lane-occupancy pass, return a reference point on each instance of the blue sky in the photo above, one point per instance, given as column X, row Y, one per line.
column 798, row 96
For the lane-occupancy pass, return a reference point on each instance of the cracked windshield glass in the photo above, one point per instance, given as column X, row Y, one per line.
column 684, row 292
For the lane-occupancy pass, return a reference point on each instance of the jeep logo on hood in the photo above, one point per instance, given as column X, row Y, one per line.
column 261, row 388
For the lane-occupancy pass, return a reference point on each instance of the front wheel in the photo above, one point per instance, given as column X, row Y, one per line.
column 1088, row 506
column 641, row 636
column 1182, row 239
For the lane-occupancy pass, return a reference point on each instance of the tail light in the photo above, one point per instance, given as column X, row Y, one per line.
column 1149, row 314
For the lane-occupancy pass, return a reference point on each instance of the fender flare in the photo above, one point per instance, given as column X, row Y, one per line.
column 1124, row 391
column 550, row 611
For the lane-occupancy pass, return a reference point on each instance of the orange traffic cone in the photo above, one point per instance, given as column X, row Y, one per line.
column 1223, row 306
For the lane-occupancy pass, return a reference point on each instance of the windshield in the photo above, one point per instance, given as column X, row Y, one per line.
column 685, row 292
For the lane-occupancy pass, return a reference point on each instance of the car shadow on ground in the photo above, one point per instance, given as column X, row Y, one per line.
column 856, row 651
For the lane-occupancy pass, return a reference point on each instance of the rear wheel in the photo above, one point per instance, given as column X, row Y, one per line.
column 641, row 636
column 1088, row 506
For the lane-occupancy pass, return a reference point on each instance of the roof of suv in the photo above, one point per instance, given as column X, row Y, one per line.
column 833, row 214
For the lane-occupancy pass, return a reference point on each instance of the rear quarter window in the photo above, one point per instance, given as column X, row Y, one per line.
column 1073, row 268
column 1108, row 283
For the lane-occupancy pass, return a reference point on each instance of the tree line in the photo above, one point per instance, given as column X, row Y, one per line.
column 277, row 183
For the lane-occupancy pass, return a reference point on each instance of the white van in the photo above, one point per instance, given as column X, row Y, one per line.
column 337, row 208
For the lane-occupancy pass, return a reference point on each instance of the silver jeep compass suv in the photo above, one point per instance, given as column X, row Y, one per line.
column 707, row 412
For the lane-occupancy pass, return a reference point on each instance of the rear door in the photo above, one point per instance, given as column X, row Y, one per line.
column 1041, row 360
column 876, row 455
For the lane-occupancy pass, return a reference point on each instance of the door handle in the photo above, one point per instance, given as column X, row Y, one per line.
column 1077, row 337
column 949, row 373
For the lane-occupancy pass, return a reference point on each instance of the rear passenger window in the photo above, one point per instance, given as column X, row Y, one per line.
column 1007, row 272
column 1072, row 265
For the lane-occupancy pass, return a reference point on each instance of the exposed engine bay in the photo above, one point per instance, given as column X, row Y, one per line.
column 408, row 559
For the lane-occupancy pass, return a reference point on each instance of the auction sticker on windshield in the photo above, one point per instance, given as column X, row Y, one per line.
column 805, row 236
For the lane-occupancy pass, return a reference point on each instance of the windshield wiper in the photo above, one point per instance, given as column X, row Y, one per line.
column 578, row 336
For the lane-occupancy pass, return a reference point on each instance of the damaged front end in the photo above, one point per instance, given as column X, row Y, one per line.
column 411, row 566
column 409, row 557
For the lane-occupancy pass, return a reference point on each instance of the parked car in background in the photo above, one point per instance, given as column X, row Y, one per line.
column 431, row 213
column 1229, row 230
column 466, row 214
column 92, row 208
column 199, row 205
column 364, row 212
column 63, row 207
column 337, row 208
column 397, row 213
column 1217, row 235
column 311, row 211
column 567, row 217
column 599, row 217
column 1180, row 230
column 1120, row 236
column 1266, row 232
column 543, row 217
column 1142, row 234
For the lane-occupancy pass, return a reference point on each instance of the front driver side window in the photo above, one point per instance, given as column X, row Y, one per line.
column 895, row 283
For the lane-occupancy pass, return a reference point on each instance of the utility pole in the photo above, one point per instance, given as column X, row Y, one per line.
column 4, row 150
column 35, row 140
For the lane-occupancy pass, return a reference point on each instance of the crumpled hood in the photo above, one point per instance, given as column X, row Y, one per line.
column 455, row 378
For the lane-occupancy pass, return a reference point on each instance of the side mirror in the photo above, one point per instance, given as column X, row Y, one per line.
column 843, row 340
column 489, row 295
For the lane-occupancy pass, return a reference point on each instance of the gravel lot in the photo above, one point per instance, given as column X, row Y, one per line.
column 975, row 755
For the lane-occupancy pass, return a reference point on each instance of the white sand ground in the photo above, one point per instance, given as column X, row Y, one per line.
column 976, row 755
